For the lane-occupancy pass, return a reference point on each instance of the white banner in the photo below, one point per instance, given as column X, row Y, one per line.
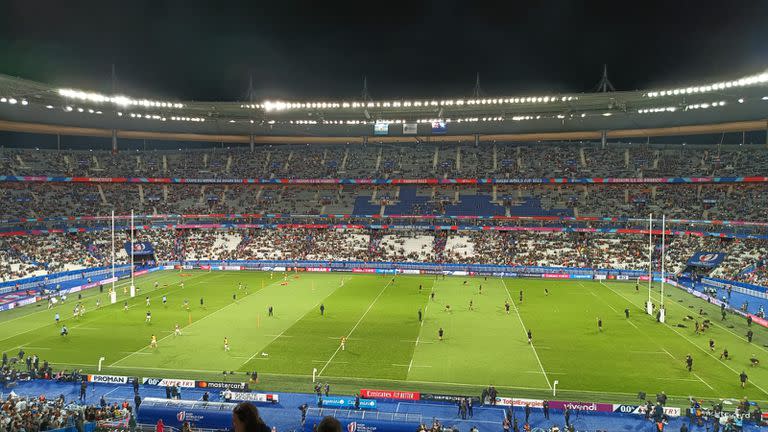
column 108, row 379
column 410, row 128
column 640, row 410
column 519, row 402
column 162, row 382
column 252, row 397
column 600, row 277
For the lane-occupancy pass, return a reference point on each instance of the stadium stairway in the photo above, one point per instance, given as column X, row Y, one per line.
column 285, row 416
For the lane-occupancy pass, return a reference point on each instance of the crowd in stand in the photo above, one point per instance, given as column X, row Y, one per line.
column 43, row 254
column 398, row 160
column 33, row 414
column 741, row 202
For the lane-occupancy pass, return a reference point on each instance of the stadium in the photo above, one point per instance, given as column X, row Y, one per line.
column 387, row 262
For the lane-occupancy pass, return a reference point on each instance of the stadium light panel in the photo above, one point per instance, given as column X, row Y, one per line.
column 12, row 101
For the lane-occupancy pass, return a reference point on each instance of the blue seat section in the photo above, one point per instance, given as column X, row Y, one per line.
column 364, row 207
column 474, row 205
column 411, row 203
column 531, row 206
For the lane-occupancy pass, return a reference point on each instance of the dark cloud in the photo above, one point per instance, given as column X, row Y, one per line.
column 315, row 49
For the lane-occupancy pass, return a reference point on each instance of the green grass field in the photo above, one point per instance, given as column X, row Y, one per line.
column 388, row 347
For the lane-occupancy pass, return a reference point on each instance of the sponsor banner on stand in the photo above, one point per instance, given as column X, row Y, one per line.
column 706, row 259
column 174, row 413
column 141, row 248
column 162, row 382
column 556, row 276
column 519, row 402
column 622, row 277
column 581, row 406
column 448, row 398
column 412, row 272
column 255, row 397
column 222, row 385
column 318, row 269
column 640, row 410
column 600, row 277
column 395, row 423
column 108, row 379
column 363, row 270
column 231, row 267
column 387, row 271
column 625, row 409
column 345, row 402
column 581, row 276
column 389, row 394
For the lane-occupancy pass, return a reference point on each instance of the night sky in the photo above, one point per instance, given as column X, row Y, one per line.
column 190, row 49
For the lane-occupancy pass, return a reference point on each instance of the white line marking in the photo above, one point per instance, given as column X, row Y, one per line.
column 71, row 318
column 341, row 284
column 409, row 365
column 665, row 350
column 364, row 379
column 691, row 342
column 705, row 383
column 677, row 379
column 323, row 361
column 49, row 310
column 598, row 297
column 139, row 351
column 526, row 334
column 609, row 305
column 356, row 324
column 421, row 326
column 718, row 325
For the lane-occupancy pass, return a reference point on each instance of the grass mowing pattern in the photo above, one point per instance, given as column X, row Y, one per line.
column 388, row 347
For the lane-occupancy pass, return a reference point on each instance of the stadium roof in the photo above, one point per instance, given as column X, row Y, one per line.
column 730, row 105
